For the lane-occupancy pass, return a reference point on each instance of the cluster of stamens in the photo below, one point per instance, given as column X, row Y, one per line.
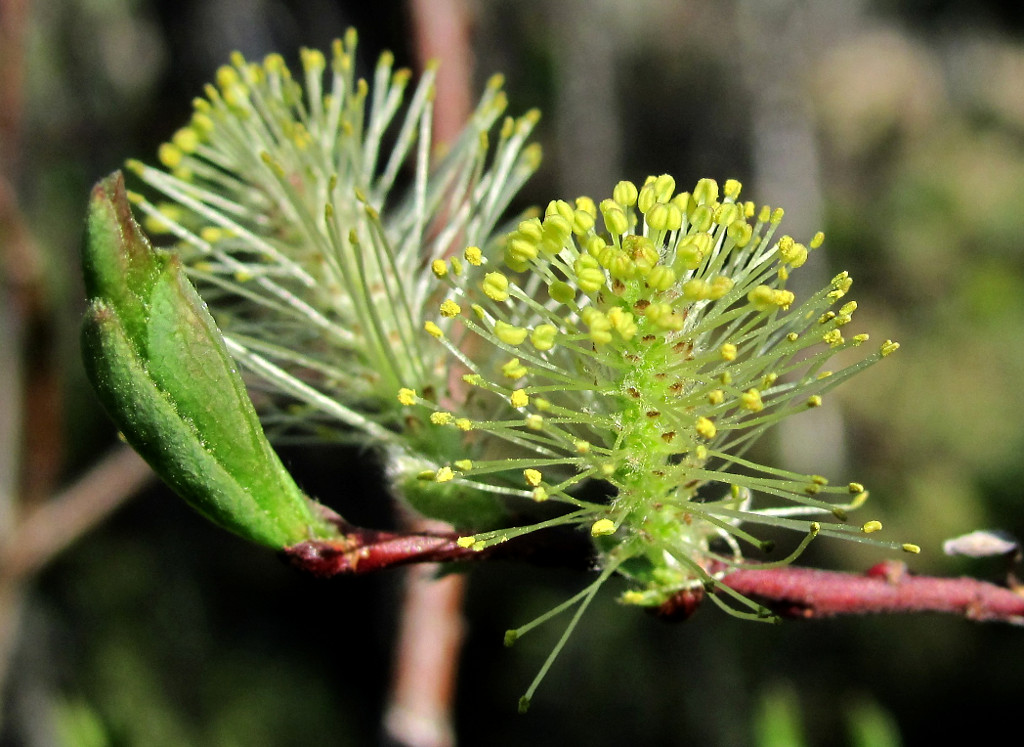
column 648, row 355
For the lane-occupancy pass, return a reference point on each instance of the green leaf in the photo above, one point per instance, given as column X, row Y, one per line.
column 160, row 367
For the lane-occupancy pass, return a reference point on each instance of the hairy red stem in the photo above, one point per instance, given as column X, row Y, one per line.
column 886, row 588
column 801, row 593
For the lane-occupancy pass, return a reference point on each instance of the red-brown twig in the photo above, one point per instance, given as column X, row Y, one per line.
column 801, row 593
column 886, row 588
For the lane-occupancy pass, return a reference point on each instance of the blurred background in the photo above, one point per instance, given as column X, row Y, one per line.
column 896, row 127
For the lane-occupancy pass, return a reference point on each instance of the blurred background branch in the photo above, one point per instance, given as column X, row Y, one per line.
column 34, row 525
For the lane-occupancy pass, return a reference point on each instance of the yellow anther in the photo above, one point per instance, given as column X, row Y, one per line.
column 818, row 240
column 202, row 124
column 539, row 494
column 531, row 229
column 706, row 191
column 664, row 217
column 599, row 325
column 731, row 189
column 444, row 474
column 449, row 309
column 728, row 352
column 441, row 418
column 439, row 268
column 705, row 428
column 583, row 221
column 633, row 597
column 664, row 316
column 720, row 285
column 740, row 232
column 791, row 252
column 727, row 213
column 751, row 400
column 187, row 140
column 407, row 397
column 466, row 542
column 563, row 292
column 518, row 398
column 764, row 298
column 661, row 278
column 889, row 347
column 313, row 59
column 587, row 206
column 642, row 251
column 433, row 329
column 533, row 477
column 211, row 234
column 464, row 465
column 464, row 424
column 842, row 282
column 543, row 336
column 520, row 251
column 582, row 447
column 625, row 194
column 693, row 249
column 622, row 322
column 535, row 422
column 783, row 298
column 833, row 337
column 560, row 208
column 170, row 155
column 602, row 528
column 696, row 289
column 855, row 487
column 474, row 256
column 716, row 397
column 860, row 339
column 871, row 526
column 513, row 369
column 615, row 218
column 495, row 286
column 621, row 266
column 589, row 275
column 913, row 549
column 508, row 333
column 664, row 185
column 814, row 400
column 473, row 379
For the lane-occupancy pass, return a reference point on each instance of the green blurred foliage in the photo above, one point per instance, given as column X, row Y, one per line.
column 160, row 629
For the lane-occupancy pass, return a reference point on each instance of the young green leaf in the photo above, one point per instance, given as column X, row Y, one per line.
column 161, row 369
